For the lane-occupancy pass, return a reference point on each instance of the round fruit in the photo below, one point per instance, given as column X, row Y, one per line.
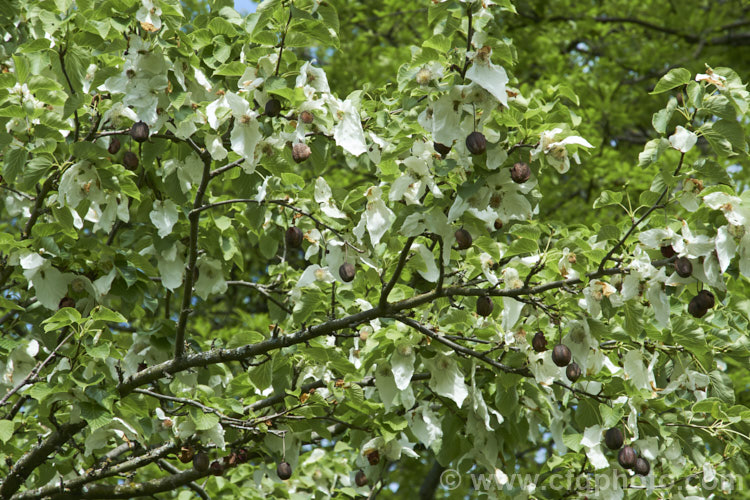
column 217, row 468
column 130, row 160
column 373, row 457
column 300, row 152
column 539, row 342
column 273, row 108
column 114, row 146
column 667, row 251
column 561, row 355
column 66, row 302
column 293, row 237
column 476, row 143
column 485, row 306
column 695, row 307
column 200, row 462
column 614, row 438
column 284, row 470
column 441, row 149
column 573, row 372
column 642, row 467
column 498, row 224
column 347, row 271
column 306, row 117
column 360, row 478
column 627, row 457
column 463, row 239
column 186, row 454
column 706, row 299
column 520, row 172
column 139, row 132
column 683, row 267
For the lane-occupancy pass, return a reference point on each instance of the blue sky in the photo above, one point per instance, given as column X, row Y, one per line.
column 244, row 6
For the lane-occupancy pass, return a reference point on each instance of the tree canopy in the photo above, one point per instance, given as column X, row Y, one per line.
column 374, row 249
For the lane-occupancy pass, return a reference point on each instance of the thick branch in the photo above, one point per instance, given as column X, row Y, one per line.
column 133, row 490
column 226, row 355
column 36, row 457
column 119, row 469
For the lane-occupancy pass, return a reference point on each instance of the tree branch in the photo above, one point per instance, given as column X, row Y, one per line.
column 653, row 207
column 36, row 457
column 187, row 295
column 397, row 272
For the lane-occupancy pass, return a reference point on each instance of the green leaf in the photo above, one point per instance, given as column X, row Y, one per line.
column 674, row 78
column 651, row 151
column 522, row 246
column 608, row 198
column 6, row 430
column 731, row 130
column 95, row 415
column 633, row 313
column 203, row 421
column 101, row 313
column 15, row 159
column 64, row 317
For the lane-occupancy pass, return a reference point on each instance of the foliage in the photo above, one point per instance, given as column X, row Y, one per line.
column 184, row 292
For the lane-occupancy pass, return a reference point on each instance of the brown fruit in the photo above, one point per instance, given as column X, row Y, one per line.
column 642, row 467
column 667, row 251
column 463, row 239
column 284, row 470
column 441, row 149
column 627, row 457
column 498, row 224
column 561, row 355
column 293, row 237
column 573, row 372
column 360, row 478
column 683, row 267
column 217, row 468
column 539, row 342
column 476, row 143
column 373, row 457
column 520, row 172
column 273, row 108
column 695, row 307
column 200, row 462
column 139, row 132
column 614, row 438
column 306, row 117
column 66, row 302
column 130, row 160
column 706, row 299
column 300, row 152
column 186, row 454
column 485, row 306
column 347, row 271
column 114, row 146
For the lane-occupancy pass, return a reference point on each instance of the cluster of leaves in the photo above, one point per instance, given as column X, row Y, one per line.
column 206, row 252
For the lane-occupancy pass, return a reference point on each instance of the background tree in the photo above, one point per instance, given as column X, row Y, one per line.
column 373, row 249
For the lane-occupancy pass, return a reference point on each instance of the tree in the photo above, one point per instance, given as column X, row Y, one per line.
column 366, row 249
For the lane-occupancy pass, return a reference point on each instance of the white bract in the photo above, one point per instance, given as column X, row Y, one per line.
column 489, row 76
column 683, row 140
column 556, row 152
column 377, row 218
